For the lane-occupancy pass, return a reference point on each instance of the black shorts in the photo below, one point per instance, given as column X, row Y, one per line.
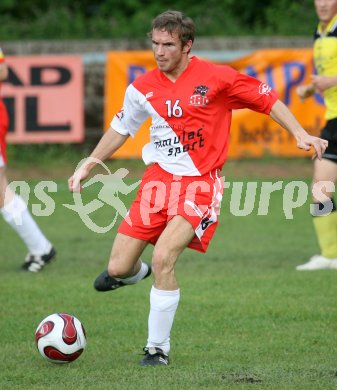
column 330, row 133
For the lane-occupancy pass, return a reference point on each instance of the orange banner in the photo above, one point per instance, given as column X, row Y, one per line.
column 44, row 97
column 252, row 134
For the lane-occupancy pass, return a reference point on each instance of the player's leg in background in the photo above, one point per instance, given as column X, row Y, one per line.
column 326, row 226
column 125, row 265
column 165, row 293
column 15, row 212
column 324, row 219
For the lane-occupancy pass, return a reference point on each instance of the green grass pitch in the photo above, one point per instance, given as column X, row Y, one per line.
column 245, row 318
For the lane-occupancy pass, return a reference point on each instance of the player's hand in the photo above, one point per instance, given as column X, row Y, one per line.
column 305, row 91
column 306, row 141
column 74, row 182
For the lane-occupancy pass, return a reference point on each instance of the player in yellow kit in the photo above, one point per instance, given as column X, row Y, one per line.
column 325, row 170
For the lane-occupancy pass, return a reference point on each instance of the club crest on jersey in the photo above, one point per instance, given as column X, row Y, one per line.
column 264, row 89
column 199, row 97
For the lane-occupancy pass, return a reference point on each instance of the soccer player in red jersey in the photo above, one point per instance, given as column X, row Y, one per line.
column 190, row 102
column 12, row 206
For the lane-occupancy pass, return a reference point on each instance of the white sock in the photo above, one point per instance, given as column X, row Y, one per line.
column 144, row 268
column 163, row 306
column 16, row 214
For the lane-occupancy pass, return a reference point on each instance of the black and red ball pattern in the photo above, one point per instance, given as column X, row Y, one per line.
column 69, row 336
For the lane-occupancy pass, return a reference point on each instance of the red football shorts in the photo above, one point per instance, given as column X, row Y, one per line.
column 3, row 132
column 162, row 196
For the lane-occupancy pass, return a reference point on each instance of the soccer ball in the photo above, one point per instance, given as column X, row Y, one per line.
column 60, row 338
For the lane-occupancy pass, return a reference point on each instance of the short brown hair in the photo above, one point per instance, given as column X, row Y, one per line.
column 175, row 21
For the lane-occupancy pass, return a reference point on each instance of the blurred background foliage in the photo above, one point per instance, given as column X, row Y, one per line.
column 88, row 19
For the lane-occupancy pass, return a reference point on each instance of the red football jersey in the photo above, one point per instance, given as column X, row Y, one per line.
column 3, row 123
column 191, row 118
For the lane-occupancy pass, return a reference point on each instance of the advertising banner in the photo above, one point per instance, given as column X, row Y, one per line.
column 252, row 134
column 44, row 96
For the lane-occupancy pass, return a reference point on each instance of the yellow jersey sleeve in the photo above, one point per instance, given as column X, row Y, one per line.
column 325, row 57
